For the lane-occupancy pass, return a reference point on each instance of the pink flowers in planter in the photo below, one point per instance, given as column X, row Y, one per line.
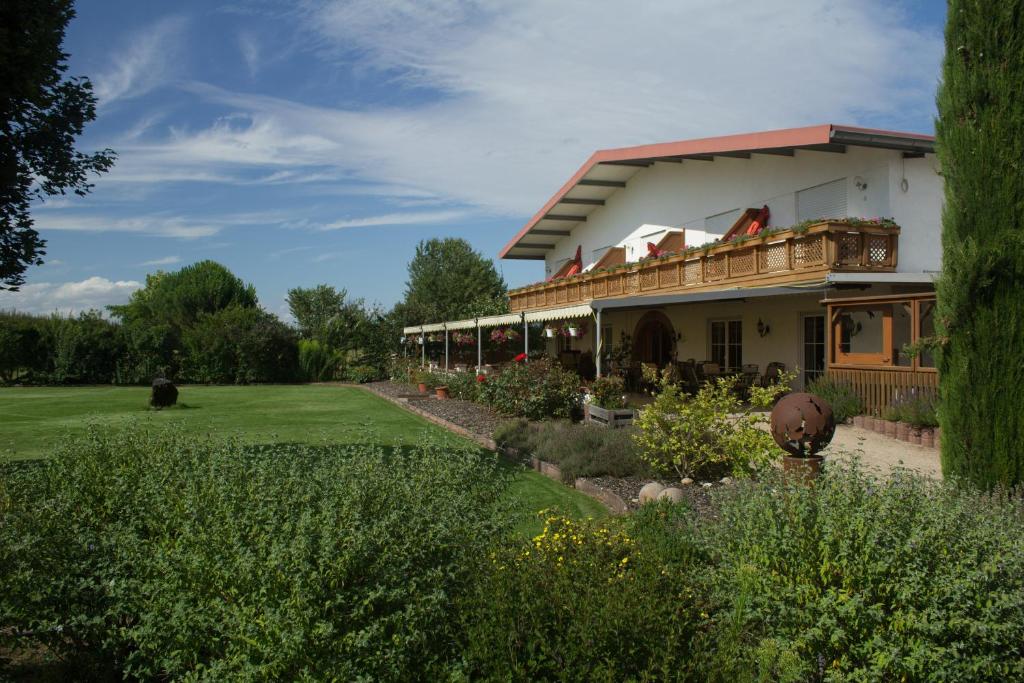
column 463, row 338
column 503, row 335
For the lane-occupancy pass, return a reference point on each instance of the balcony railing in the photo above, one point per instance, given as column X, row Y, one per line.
column 776, row 258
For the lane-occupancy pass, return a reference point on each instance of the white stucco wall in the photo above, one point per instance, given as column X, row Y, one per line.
column 683, row 195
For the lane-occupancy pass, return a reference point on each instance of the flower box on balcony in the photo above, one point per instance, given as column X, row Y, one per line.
column 622, row 417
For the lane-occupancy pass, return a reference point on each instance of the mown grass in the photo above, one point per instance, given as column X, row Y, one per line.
column 33, row 419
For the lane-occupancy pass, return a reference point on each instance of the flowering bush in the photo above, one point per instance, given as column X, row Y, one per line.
column 583, row 600
column 537, row 390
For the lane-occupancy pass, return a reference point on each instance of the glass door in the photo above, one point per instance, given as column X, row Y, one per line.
column 814, row 347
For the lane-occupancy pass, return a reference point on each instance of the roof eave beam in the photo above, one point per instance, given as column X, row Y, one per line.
column 592, row 182
column 551, row 233
column 582, row 202
column 563, row 217
column 534, row 245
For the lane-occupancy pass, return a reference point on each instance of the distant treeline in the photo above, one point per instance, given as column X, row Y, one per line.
column 200, row 324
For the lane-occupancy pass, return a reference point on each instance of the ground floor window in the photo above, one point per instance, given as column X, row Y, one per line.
column 881, row 331
column 727, row 344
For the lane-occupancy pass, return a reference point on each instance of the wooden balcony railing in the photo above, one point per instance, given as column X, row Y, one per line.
column 777, row 258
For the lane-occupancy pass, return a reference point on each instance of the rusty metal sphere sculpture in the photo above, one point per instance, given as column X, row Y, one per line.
column 802, row 424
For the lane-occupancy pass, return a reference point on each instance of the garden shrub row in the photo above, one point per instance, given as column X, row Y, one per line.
column 579, row 449
column 163, row 556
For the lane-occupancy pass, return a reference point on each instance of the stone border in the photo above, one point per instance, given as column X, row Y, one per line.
column 610, row 500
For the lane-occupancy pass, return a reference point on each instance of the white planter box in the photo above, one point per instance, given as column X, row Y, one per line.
column 622, row 417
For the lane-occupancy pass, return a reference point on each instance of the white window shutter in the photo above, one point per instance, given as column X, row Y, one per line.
column 827, row 200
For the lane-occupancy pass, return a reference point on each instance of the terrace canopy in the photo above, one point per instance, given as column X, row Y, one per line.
column 579, row 311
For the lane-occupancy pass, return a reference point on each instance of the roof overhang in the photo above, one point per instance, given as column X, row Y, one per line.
column 737, row 294
column 608, row 171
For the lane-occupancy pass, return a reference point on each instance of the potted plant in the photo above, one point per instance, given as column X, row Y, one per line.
column 423, row 380
column 608, row 404
column 549, row 331
column 442, row 392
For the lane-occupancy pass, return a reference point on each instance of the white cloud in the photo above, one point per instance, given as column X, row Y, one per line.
column 181, row 227
column 250, row 49
column 69, row 297
column 148, row 60
column 412, row 218
column 526, row 91
column 165, row 261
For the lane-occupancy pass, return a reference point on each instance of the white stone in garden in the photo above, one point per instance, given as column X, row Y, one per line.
column 650, row 492
column 673, row 494
column 726, row 480
column 687, row 481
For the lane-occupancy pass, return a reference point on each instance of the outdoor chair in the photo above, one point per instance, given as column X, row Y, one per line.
column 691, row 383
column 772, row 373
column 711, row 371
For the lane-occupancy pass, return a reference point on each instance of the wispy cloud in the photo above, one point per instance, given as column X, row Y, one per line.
column 524, row 92
column 147, row 60
column 165, row 261
column 69, row 297
column 424, row 217
column 250, row 49
column 160, row 225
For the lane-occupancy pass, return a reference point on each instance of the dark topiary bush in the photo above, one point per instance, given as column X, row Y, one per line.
column 164, row 394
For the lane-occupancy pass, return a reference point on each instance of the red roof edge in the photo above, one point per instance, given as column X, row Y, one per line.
column 773, row 139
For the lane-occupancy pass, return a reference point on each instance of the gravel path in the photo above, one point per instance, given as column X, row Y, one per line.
column 472, row 416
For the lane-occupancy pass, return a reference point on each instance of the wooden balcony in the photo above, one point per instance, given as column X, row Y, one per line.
column 784, row 257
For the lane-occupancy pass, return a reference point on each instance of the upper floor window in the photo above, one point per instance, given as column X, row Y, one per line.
column 827, row 200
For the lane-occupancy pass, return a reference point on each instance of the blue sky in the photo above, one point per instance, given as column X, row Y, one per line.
column 315, row 142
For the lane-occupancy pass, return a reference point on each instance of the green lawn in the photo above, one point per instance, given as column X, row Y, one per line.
column 32, row 419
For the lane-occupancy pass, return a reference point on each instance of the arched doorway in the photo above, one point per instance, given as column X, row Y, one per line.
column 654, row 339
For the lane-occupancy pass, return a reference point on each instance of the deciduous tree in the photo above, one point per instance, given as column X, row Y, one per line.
column 41, row 114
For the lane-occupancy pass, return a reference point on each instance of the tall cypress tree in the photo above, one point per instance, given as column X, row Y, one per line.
column 980, row 140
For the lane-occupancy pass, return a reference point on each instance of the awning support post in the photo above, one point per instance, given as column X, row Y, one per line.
column 597, row 342
column 526, row 338
column 479, row 348
column 446, row 349
column 423, row 347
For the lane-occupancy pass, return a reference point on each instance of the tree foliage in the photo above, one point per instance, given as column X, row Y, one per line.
column 980, row 136
column 41, row 114
column 450, row 281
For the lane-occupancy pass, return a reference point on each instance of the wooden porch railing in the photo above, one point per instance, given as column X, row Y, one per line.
column 779, row 258
column 878, row 388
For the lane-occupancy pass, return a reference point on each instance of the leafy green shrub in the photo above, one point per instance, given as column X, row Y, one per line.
column 361, row 374
column 239, row 345
column 844, row 400
column 856, row 579
column 707, row 434
column 463, row 385
column 519, row 434
column 608, row 392
column 536, row 390
column 402, row 369
column 167, row 557
column 318, row 361
column 583, row 601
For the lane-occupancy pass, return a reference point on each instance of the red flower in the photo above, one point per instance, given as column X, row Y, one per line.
column 481, row 378
column 520, row 358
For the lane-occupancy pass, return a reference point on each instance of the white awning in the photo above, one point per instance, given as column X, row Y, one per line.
column 578, row 311
column 495, row 320
column 461, row 324
column 415, row 329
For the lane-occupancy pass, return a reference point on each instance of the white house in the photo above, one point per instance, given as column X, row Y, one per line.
column 842, row 291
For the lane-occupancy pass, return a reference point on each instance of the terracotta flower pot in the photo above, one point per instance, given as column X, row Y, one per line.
column 890, row 429
column 423, row 388
column 878, row 425
column 858, row 421
column 801, row 470
column 442, row 392
column 915, row 436
column 902, row 431
column 928, row 438
column 938, row 437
